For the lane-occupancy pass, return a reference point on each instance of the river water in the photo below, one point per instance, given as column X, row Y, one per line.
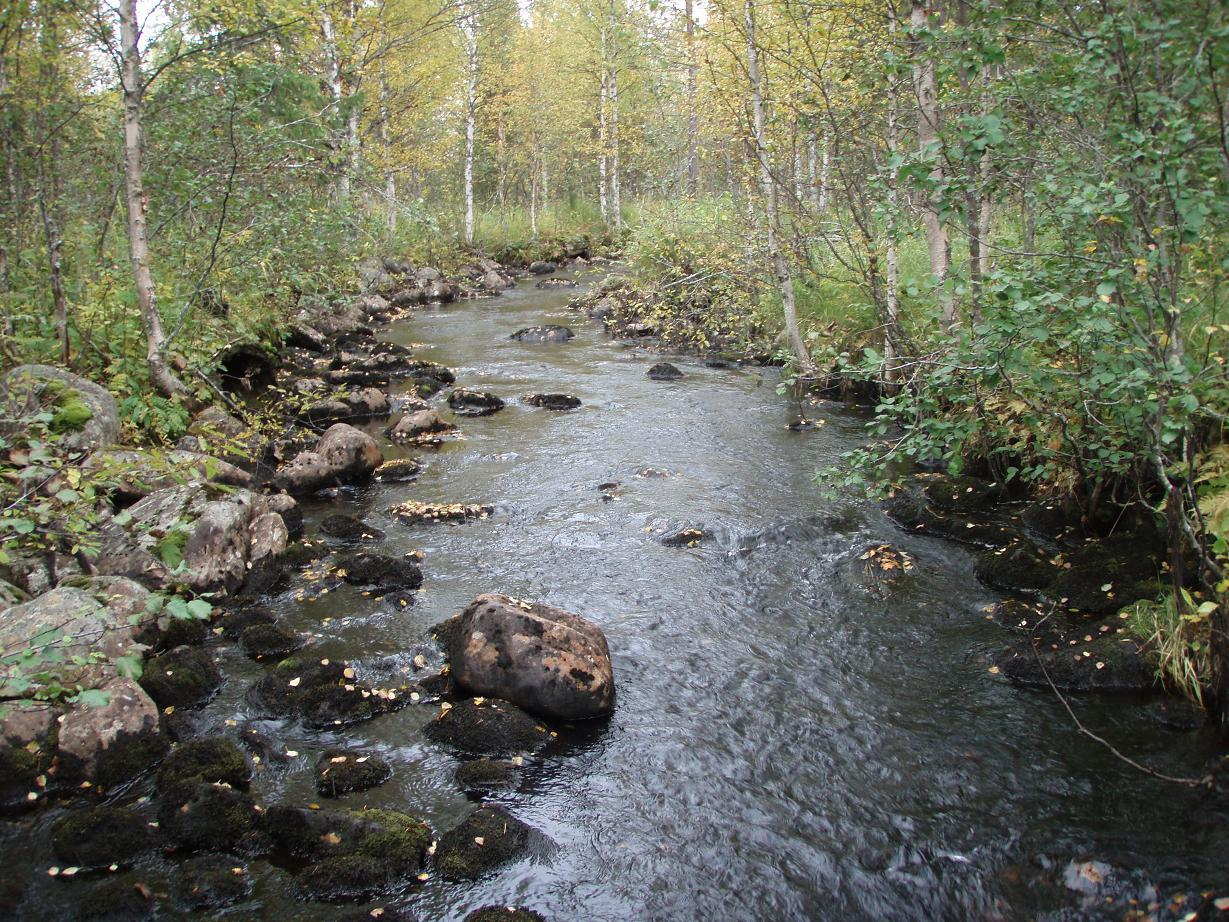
column 786, row 744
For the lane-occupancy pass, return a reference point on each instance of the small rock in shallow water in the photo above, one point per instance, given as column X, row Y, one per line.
column 399, row 470
column 685, row 537
column 551, row 333
column 465, row 402
column 552, row 401
column 270, row 641
column 98, row 837
column 214, row 760
column 343, row 771
column 487, row 726
column 349, row 529
column 488, row 838
column 664, row 371
column 211, row 882
column 413, row 512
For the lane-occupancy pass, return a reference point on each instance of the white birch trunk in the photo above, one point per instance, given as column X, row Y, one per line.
column 602, row 134
column 469, row 28
column 332, row 62
column 768, row 184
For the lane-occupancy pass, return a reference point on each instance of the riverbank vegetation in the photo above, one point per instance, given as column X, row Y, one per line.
column 1007, row 219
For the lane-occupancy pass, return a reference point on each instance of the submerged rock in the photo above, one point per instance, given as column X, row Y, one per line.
column 909, row 510
column 182, row 678
column 202, row 817
column 964, row 494
column 270, row 641
column 504, row 914
column 487, row 727
column 1100, row 663
column 98, row 837
column 1019, row 567
column 323, row 694
column 377, row 571
column 664, row 371
column 556, row 283
column 552, row 401
column 486, row 776
column 349, row 529
column 474, row 403
column 551, row 333
column 685, row 537
column 210, row 882
column 343, row 771
column 211, row 759
column 539, row 657
column 488, row 838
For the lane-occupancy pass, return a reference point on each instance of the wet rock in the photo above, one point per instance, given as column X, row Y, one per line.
column 1180, row 715
column 495, row 281
column 98, row 837
column 349, row 529
column 690, row 536
column 353, row 455
column 412, row 512
column 83, row 414
column 116, row 901
column 23, row 722
column 351, row 855
column 486, row 776
column 542, row 267
column 552, row 401
column 211, row 759
column 1105, row 663
column 323, row 694
column 504, row 914
column 474, row 403
column 113, row 742
column 550, row 333
column 210, row 882
column 292, row 515
column 420, row 423
column 487, row 727
column 267, row 542
column 368, row 403
column 342, row 771
column 964, row 494
column 182, row 678
column 664, row 371
column 539, row 657
column 488, row 838
column 377, row 571
column 909, row 510
column 236, row 621
column 1103, row 576
column 400, row 470
column 201, row 817
column 441, row 292
column 20, row 770
column 556, row 283
column 878, row 569
column 331, row 319
column 1019, row 567
column 364, row 377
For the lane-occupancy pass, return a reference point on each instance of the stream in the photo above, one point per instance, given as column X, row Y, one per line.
column 785, row 743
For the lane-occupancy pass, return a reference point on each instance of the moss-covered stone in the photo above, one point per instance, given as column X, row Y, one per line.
column 209, row 817
column 323, row 694
column 488, row 838
column 487, row 727
column 349, row 529
column 379, row 572
column 211, row 882
column 118, row 900
column 19, row 771
column 302, row 554
column 183, row 678
column 484, row 776
column 182, row 632
column 1019, row 567
column 1103, row 576
column 342, row 771
column 1104, row 662
column 909, row 509
column 213, row 760
column 964, row 494
column 98, row 837
column 236, row 621
column 504, row 914
column 269, row 641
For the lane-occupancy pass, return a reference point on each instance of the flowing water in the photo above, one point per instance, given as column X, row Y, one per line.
column 786, row 744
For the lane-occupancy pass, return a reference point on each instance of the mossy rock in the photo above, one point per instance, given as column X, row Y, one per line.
column 116, row 900
column 386, row 914
column 214, row 759
column 210, row 817
column 909, row 510
column 504, row 914
column 379, row 572
column 19, row 772
column 488, row 838
column 1107, row 662
column 182, row 632
column 487, row 776
column 1019, row 567
column 234, row 623
column 301, row 554
column 487, row 727
column 349, row 530
column 269, row 641
column 344, row 771
column 964, row 494
column 1103, row 576
column 322, row 695
column 360, row 854
column 183, row 678
column 210, row 882
column 307, row 835
column 98, row 837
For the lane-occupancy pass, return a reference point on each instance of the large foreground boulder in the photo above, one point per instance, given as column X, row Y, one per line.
column 83, row 413
column 541, row 658
column 112, row 742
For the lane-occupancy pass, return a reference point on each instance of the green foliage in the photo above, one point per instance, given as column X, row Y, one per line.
column 1179, row 631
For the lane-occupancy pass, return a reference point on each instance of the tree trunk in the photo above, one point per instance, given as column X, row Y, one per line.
column 469, row 27
column 891, row 318
column 332, row 57
column 603, row 179
column 693, row 114
column 134, row 194
column 390, row 178
column 50, row 187
column 924, row 87
column 768, row 184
